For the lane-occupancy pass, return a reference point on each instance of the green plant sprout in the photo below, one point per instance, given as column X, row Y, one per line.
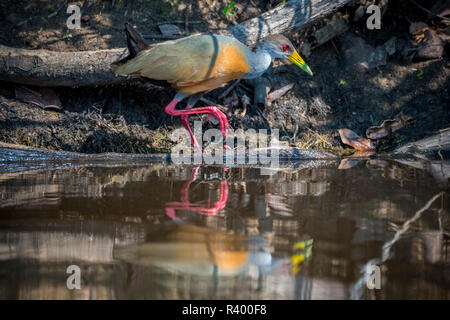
column 342, row 83
column 67, row 35
column 229, row 9
column 420, row 74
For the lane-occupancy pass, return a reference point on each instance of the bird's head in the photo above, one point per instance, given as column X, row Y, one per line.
column 279, row 46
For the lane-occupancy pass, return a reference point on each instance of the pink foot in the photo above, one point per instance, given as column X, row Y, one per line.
column 184, row 115
column 220, row 116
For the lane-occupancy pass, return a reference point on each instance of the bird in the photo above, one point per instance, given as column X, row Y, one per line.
column 200, row 63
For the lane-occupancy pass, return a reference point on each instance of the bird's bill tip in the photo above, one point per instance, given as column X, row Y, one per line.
column 297, row 60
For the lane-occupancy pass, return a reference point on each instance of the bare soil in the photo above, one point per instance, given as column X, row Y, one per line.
column 26, row 24
column 130, row 117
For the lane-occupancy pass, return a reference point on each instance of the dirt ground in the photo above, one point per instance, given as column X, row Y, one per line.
column 26, row 24
column 130, row 117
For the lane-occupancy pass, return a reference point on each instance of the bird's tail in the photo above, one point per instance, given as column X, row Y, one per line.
column 135, row 43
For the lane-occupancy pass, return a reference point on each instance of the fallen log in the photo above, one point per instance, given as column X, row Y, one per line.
column 292, row 15
column 51, row 68
column 85, row 68
column 440, row 141
column 20, row 154
column 436, row 146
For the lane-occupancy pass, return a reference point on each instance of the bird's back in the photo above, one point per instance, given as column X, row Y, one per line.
column 193, row 64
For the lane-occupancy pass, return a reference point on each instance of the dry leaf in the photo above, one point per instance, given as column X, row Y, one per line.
column 355, row 158
column 377, row 132
column 350, row 138
column 430, row 42
column 44, row 97
column 50, row 98
column 363, row 154
column 432, row 45
column 387, row 127
column 278, row 93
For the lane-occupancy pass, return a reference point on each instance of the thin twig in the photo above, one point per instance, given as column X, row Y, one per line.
column 428, row 11
column 226, row 92
column 335, row 48
column 356, row 290
column 210, row 102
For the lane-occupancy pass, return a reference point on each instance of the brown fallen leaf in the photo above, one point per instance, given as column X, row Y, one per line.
column 355, row 158
column 278, row 93
column 45, row 98
column 432, row 46
column 50, row 98
column 429, row 41
column 377, row 132
column 387, row 127
column 350, row 138
column 363, row 154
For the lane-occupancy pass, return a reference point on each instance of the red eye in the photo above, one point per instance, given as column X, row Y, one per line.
column 286, row 47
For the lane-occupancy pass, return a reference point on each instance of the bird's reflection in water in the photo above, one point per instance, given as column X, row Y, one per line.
column 197, row 250
column 179, row 248
column 188, row 261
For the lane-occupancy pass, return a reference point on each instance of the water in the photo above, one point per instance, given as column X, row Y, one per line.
column 159, row 231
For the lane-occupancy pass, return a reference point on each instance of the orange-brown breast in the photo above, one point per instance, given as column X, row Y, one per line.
column 231, row 63
column 193, row 64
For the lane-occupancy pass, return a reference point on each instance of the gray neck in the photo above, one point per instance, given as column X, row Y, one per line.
column 259, row 61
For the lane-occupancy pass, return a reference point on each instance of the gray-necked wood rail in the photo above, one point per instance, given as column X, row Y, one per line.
column 197, row 64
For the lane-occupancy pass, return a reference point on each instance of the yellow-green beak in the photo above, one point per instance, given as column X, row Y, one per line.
column 295, row 58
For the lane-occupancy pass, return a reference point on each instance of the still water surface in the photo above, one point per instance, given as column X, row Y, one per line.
column 154, row 231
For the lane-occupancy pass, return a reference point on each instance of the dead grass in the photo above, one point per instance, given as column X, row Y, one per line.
column 322, row 142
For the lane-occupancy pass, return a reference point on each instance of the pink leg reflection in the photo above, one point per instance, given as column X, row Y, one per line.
column 209, row 209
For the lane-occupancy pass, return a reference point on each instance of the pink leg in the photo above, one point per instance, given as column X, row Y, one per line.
column 211, row 110
column 185, row 122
